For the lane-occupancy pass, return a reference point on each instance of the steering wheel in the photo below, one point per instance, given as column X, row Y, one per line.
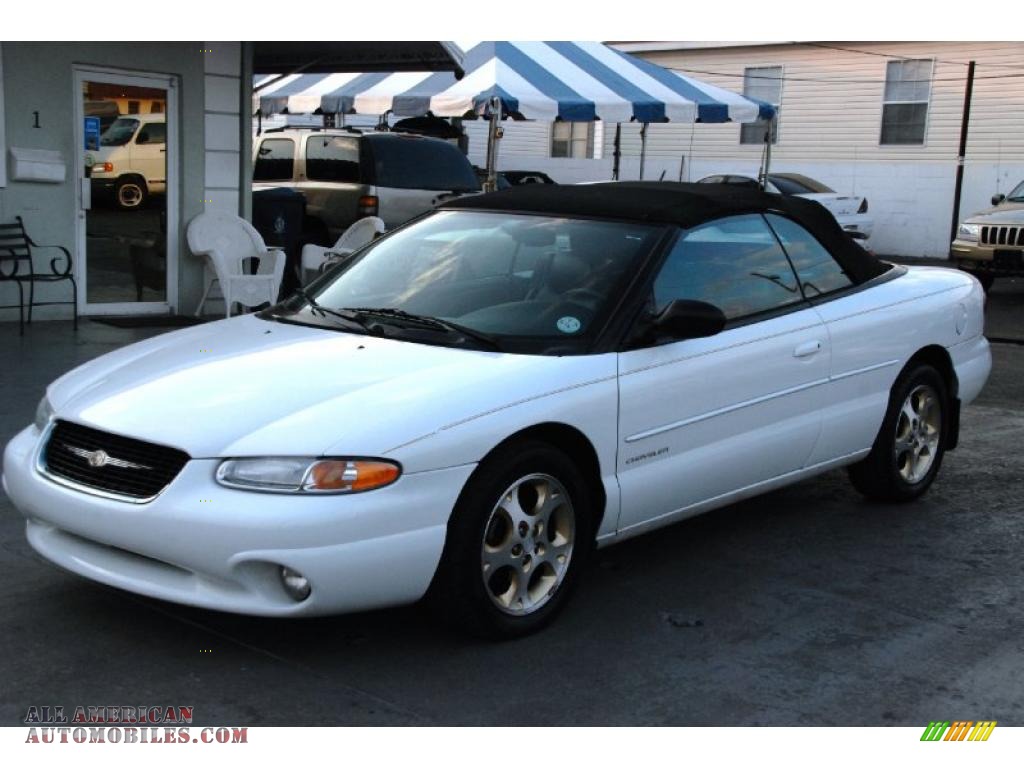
column 584, row 296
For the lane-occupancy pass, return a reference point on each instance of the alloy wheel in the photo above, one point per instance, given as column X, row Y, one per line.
column 918, row 431
column 528, row 544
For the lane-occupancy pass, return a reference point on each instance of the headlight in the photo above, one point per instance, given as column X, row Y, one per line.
column 307, row 475
column 968, row 231
column 44, row 412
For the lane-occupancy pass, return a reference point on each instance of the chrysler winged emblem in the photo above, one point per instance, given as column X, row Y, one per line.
column 100, row 458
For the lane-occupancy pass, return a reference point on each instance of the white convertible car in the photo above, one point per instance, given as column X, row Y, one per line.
column 473, row 402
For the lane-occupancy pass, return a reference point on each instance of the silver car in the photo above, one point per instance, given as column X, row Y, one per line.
column 346, row 175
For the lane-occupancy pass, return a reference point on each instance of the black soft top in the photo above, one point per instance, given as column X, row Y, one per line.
column 684, row 205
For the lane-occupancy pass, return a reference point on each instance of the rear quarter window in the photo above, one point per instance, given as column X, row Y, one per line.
column 332, row 158
column 275, row 160
column 409, row 163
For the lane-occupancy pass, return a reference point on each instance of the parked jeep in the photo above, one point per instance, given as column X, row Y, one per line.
column 346, row 175
column 131, row 163
column 990, row 243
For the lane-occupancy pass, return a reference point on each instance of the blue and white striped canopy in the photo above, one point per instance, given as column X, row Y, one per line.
column 572, row 81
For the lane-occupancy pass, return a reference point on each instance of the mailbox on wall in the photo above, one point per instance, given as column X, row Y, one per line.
column 44, row 165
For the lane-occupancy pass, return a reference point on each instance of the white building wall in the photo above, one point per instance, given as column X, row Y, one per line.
column 831, row 114
column 222, row 93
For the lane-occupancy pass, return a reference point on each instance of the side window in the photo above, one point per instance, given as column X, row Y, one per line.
column 408, row 163
column 818, row 272
column 275, row 160
column 734, row 263
column 152, row 133
column 332, row 158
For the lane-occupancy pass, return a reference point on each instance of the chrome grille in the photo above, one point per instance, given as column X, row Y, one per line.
column 112, row 464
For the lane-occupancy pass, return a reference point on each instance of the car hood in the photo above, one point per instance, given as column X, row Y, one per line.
column 1007, row 213
column 247, row 386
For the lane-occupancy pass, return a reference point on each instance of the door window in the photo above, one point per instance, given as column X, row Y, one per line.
column 275, row 160
column 819, row 273
column 152, row 133
column 734, row 263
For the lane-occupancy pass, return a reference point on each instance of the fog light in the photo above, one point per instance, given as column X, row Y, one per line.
column 295, row 584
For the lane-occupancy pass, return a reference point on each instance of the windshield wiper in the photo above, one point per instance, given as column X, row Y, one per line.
column 426, row 321
column 316, row 307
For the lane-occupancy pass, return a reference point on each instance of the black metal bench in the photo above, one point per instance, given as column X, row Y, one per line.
column 16, row 267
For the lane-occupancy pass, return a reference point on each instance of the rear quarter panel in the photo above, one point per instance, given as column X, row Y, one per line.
column 874, row 332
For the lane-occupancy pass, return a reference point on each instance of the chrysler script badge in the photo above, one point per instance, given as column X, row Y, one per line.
column 100, row 458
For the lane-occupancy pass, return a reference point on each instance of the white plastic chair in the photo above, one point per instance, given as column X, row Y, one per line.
column 356, row 236
column 228, row 241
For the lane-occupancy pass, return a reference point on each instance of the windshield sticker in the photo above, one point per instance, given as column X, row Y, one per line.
column 568, row 324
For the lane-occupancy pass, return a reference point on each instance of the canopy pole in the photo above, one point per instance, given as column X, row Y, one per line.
column 493, row 137
column 617, row 153
column 643, row 149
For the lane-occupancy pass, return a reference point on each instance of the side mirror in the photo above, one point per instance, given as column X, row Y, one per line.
column 997, row 199
column 686, row 319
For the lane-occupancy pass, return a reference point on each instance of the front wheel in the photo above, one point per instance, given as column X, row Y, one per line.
column 519, row 536
column 908, row 451
column 131, row 193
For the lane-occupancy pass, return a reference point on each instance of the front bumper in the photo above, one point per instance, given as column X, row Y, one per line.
column 102, row 186
column 972, row 257
column 202, row 544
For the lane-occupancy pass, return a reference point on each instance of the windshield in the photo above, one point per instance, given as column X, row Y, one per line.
column 1017, row 196
column 536, row 281
column 119, row 133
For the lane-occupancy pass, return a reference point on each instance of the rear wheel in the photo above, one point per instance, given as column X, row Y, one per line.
column 518, row 538
column 908, row 451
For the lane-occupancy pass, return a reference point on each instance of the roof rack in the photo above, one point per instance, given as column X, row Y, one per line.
column 317, row 128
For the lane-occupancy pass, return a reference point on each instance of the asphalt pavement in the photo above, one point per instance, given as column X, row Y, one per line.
column 806, row 606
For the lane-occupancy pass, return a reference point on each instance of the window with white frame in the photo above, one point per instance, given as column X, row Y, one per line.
column 572, row 139
column 908, row 85
column 764, row 84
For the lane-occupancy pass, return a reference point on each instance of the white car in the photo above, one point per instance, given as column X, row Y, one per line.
column 131, row 162
column 476, row 399
column 850, row 211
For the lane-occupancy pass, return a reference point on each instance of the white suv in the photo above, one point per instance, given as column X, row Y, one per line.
column 345, row 175
column 131, row 163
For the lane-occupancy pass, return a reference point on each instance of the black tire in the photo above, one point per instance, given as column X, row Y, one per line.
column 459, row 590
column 131, row 193
column 887, row 473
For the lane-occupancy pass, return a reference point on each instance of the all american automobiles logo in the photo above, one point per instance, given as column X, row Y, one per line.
column 124, row 725
column 959, row 730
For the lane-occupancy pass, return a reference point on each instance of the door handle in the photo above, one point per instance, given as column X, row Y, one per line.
column 807, row 349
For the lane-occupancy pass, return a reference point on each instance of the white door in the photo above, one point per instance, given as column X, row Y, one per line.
column 702, row 418
column 126, row 253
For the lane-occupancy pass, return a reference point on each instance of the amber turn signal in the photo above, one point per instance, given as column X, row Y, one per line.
column 350, row 475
